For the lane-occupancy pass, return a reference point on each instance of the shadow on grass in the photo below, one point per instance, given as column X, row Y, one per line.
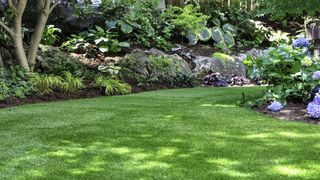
column 221, row 154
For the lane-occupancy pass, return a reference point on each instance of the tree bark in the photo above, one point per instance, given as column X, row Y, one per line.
column 1, row 62
column 17, row 38
column 37, row 36
column 44, row 11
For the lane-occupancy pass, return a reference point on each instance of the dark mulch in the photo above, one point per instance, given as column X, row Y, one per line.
column 292, row 112
column 86, row 93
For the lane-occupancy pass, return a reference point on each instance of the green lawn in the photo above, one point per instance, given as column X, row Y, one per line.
column 171, row 134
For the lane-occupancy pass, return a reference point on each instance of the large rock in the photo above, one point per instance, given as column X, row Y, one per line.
column 155, row 67
column 207, row 65
column 52, row 60
column 232, row 65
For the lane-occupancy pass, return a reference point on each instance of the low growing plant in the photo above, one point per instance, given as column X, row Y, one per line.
column 112, row 86
column 71, row 84
column 46, row 84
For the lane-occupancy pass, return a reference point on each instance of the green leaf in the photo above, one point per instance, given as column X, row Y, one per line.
column 111, row 24
column 230, row 28
column 99, row 29
column 104, row 49
column 204, row 34
column 192, row 37
column 217, row 34
column 124, row 44
column 228, row 39
column 125, row 28
column 216, row 22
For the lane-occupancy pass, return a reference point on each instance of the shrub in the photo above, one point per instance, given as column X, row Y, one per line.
column 50, row 35
column 14, row 83
column 288, row 70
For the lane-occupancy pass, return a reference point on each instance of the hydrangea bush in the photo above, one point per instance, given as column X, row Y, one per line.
column 289, row 70
column 314, row 107
column 275, row 106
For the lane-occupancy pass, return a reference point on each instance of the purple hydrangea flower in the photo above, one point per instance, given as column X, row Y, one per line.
column 314, row 110
column 275, row 106
column 316, row 75
column 317, row 99
column 300, row 42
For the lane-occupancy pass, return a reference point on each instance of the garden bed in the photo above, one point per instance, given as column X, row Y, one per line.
column 291, row 112
column 83, row 94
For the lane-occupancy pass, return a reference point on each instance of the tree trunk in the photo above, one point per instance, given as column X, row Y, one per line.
column 1, row 62
column 17, row 38
column 36, row 37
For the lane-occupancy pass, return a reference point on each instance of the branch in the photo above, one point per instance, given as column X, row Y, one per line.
column 53, row 6
column 12, row 5
column 5, row 27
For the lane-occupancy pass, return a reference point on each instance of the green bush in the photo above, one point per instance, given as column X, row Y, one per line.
column 14, row 82
column 287, row 70
column 50, row 36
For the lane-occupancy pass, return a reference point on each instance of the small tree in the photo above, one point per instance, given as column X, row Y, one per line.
column 45, row 7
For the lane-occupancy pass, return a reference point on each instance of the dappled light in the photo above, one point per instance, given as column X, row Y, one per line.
column 159, row 89
column 151, row 144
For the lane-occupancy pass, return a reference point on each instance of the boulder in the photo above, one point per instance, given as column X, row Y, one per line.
column 207, row 65
column 52, row 60
column 155, row 67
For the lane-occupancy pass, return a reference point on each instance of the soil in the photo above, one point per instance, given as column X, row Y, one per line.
column 291, row 112
column 86, row 93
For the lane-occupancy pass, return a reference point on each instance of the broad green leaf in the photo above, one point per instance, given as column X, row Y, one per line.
column 204, row 34
column 192, row 37
column 216, row 22
column 125, row 28
column 228, row 39
column 99, row 29
column 230, row 28
column 124, row 44
column 217, row 34
column 104, row 49
column 111, row 24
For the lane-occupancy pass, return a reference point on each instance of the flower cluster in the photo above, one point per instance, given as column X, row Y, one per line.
column 275, row 106
column 316, row 75
column 300, row 42
column 314, row 107
column 306, row 61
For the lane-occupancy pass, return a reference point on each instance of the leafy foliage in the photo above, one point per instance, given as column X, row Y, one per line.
column 46, row 84
column 288, row 70
column 280, row 9
column 112, row 86
column 71, row 84
column 50, row 35
column 103, row 40
column 14, row 82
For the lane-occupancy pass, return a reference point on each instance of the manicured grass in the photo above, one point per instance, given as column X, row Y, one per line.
column 172, row 134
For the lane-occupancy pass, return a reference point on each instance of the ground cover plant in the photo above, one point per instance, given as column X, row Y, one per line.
column 180, row 134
